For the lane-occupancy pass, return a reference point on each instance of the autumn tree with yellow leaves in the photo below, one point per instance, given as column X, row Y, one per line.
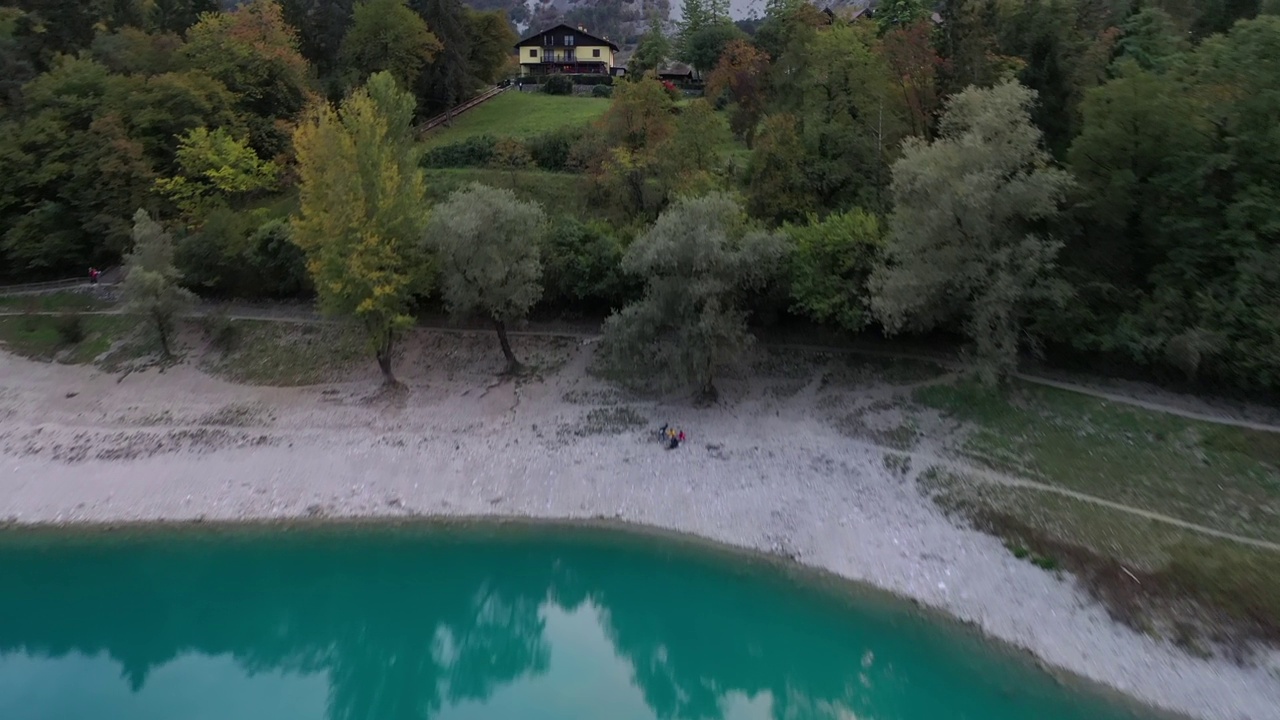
column 363, row 211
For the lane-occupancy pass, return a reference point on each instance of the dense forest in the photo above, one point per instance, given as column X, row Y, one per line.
column 1092, row 180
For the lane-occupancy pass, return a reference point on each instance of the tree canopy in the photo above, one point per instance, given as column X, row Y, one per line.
column 363, row 211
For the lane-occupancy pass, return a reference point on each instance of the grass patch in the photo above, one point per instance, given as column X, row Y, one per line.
column 1155, row 577
column 882, row 423
column 62, row 301
column 46, row 337
column 286, row 354
column 606, row 421
column 1213, row 475
column 853, row 369
column 519, row 114
column 558, row 193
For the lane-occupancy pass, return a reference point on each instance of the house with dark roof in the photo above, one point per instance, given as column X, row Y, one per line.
column 565, row 49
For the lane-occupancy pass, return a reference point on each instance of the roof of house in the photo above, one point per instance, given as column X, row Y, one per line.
column 580, row 31
column 674, row 68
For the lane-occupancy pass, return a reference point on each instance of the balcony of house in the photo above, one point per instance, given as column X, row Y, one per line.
column 549, row 62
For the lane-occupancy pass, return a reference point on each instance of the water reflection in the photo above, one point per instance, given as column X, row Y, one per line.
column 397, row 626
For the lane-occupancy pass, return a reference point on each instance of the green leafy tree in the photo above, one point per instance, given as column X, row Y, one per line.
column 216, row 168
column 582, row 266
column 694, row 155
column 254, row 53
column 777, row 186
column 963, row 237
column 849, row 118
column 695, row 16
column 150, row 287
column 831, row 263
column 696, row 262
column 652, row 50
column 489, row 50
column 387, row 35
column 704, row 47
column 363, row 211
column 487, row 243
column 900, row 13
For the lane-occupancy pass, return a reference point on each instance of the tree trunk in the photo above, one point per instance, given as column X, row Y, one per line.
column 384, row 361
column 513, row 364
column 164, row 337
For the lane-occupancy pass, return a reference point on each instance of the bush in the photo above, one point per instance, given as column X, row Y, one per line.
column 239, row 255
column 558, row 85
column 582, row 268
column 220, row 330
column 475, row 151
column 602, row 91
column 551, row 150
column 70, row 329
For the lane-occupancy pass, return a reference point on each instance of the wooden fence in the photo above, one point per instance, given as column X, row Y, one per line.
column 438, row 120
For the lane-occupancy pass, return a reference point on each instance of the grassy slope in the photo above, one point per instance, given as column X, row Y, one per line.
column 1143, row 570
column 1219, row 476
column 558, row 193
column 519, row 114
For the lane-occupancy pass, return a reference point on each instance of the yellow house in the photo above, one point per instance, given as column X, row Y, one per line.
column 565, row 49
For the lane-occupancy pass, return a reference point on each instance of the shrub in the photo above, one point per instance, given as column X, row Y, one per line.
column 239, row 255
column 220, row 330
column 475, row 151
column 602, row 91
column 558, row 85
column 582, row 267
column 70, row 329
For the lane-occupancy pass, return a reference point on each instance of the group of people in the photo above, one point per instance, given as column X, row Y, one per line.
column 671, row 436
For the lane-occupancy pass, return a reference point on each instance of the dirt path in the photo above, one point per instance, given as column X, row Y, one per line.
column 294, row 315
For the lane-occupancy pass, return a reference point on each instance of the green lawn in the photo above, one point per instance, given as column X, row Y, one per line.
column 519, row 114
column 61, row 301
column 1219, row 476
column 558, row 193
column 46, row 337
column 1142, row 570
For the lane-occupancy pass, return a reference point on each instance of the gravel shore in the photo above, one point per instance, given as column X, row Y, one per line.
column 766, row 469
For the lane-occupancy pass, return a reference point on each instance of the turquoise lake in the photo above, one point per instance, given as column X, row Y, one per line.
column 483, row 623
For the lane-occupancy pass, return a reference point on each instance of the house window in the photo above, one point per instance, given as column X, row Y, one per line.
column 595, row 53
column 533, row 52
column 548, row 40
column 568, row 40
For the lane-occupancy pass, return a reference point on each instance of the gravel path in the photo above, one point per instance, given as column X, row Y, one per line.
column 764, row 470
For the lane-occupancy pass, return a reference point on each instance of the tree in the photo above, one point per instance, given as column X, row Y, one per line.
column 696, row 262
column 965, row 236
column 362, row 211
column 900, row 14
column 254, row 53
column 831, row 262
column 694, row 154
column 487, row 242
column 704, row 47
column 215, row 168
column 652, row 51
column 913, row 66
column 740, row 76
column 150, row 287
column 695, row 15
column 511, row 155
column 489, row 51
column 387, row 35
column 849, row 120
column 777, row 187
column 637, row 124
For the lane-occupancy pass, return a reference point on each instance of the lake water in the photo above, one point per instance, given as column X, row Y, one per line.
column 484, row 623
